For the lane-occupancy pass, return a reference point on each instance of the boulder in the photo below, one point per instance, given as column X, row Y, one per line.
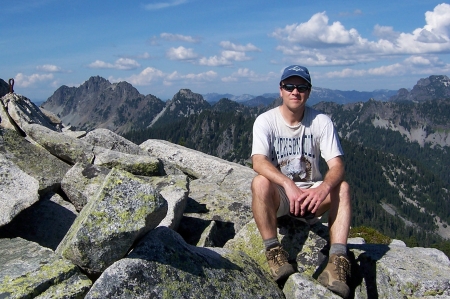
column 49, row 171
column 29, row 270
column 174, row 189
column 110, row 140
column 12, row 200
column 124, row 209
column 46, row 222
column 82, row 182
column 162, row 265
column 24, row 112
column 136, row 164
column 66, row 148
column 192, row 162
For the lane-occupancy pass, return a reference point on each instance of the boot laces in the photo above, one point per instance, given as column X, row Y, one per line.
column 342, row 267
column 278, row 256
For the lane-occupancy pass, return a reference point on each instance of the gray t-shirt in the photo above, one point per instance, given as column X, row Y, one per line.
column 295, row 150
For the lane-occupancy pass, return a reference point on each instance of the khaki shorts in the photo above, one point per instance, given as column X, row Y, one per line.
column 284, row 207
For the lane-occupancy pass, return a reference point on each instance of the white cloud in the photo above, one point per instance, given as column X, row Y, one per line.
column 231, row 46
column 317, row 33
column 317, row 43
column 152, row 75
column 181, row 53
column 226, row 58
column 49, row 68
column 179, row 37
column 246, row 74
column 410, row 65
column 25, row 81
column 146, row 77
column 162, row 5
column 119, row 64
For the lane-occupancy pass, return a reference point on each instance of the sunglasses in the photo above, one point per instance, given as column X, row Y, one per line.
column 291, row 87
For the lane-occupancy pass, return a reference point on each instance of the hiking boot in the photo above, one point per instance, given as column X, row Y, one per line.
column 279, row 266
column 334, row 276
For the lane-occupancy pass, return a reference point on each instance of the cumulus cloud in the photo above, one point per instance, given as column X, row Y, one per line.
column 162, row 5
column 119, row 64
column 410, row 65
column 152, row 75
column 319, row 43
column 179, row 37
column 317, row 33
column 181, row 53
column 23, row 80
column 146, row 77
column 249, row 75
column 226, row 58
column 49, row 68
column 241, row 48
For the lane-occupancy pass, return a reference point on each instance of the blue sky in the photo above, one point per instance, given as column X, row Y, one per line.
column 237, row 47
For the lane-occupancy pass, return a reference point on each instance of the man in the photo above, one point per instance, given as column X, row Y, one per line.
column 287, row 143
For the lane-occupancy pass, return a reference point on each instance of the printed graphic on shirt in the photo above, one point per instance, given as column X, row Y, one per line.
column 295, row 157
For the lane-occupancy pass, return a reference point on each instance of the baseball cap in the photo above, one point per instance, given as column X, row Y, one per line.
column 296, row 70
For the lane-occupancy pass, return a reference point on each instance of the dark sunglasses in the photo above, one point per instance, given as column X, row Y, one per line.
column 291, row 87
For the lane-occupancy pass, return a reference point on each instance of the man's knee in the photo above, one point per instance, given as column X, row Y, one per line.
column 344, row 192
column 260, row 183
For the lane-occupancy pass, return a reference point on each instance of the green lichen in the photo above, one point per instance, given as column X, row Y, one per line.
column 33, row 283
column 433, row 292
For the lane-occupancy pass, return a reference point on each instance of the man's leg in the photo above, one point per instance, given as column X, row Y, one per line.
column 335, row 275
column 265, row 203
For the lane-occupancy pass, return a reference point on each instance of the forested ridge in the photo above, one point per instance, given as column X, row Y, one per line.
column 383, row 168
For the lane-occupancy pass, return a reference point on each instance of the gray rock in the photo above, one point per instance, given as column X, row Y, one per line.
column 209, row 201
column 192, row 162
column 46, row 222
column 29, row 270
column 24, row 112
column 82, row 182
column 123, row 211
column 5, row 121
column 135, row 164
column 162, row 265
column 12, row 200
column 66, row 148
column 75, row 287
column 33, row 160
column 110, row 140
column 52, row 117
column 208, row 236
column 302, row 286
column 398, row 272
column 174, row 189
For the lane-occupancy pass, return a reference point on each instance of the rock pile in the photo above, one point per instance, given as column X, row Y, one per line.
column 96, row 216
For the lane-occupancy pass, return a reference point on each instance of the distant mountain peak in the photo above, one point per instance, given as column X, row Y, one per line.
column 434, row 87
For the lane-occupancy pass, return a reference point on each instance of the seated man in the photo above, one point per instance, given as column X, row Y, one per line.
column 287, row 142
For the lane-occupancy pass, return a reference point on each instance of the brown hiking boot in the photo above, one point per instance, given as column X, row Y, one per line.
column 279, row 266
column 334, row 276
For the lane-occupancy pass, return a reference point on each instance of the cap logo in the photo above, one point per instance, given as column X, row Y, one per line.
column 296, row 68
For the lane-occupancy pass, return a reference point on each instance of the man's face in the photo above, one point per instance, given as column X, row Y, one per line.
column 294, row 99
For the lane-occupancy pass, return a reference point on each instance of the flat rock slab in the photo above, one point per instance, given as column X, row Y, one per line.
column 28, row 270
column 12, row 201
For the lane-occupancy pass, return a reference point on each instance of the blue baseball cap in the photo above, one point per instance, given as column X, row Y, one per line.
column 296, row 70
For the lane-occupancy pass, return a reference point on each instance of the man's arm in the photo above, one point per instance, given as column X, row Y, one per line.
column 313, row 197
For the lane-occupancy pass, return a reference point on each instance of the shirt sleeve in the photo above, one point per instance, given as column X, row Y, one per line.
column 261, row 137
column 330, row 146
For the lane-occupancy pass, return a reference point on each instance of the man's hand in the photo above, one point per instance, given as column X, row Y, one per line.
column 305, row 201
